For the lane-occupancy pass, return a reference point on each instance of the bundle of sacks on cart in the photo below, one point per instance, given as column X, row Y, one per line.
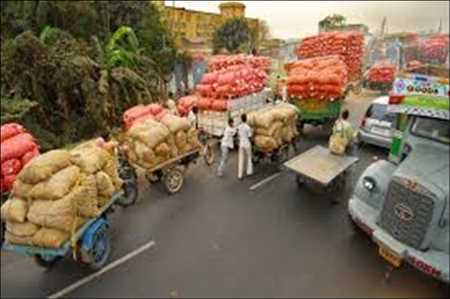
column 349, row 45
column 435, row 48
column 382, row 72
column 152, row 142
column 232, row 82
column 140, row 113
column 220, row 62
column 17, row 148
column 57, row 192
column 273, row 126
column 322, row 78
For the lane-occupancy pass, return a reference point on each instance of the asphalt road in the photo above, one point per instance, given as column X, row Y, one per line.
column 219, row 239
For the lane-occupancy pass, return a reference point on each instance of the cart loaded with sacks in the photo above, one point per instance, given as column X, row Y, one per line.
column 60, row 202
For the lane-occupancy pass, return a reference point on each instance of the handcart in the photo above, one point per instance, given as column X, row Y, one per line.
column 321, row 170
column 89, row 245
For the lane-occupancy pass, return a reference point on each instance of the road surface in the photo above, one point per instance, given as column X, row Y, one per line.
column 219, row 239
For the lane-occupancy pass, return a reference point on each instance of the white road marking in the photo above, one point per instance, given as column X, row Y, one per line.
column 266, row 180
column 102, row 271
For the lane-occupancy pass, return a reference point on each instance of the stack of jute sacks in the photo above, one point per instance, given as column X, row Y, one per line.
column 151, row 142
column 273, row 126
column 57, row 192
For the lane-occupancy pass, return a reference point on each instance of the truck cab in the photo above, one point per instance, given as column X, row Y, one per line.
column 402, row 203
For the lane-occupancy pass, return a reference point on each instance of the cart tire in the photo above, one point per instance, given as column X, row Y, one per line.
column 131, row 193
column 299, row 180
column 46, row 262
column 173, row 181
column 101, row 249
column 208, row 155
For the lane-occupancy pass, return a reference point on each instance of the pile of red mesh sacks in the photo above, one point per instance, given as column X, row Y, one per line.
column 140, row 113
column 435, row 49
column 220, row 62
column 17, row 148
column 236, row 81
column 322, row 78
column 382, row 72
column 349, row 45
column 185, row 104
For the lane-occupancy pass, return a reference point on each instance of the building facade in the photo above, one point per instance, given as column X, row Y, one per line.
column 198, row 27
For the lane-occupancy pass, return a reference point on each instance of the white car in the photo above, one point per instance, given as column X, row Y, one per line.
column 376, row 125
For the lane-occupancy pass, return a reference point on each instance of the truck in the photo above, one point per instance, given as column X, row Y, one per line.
column 402, row 203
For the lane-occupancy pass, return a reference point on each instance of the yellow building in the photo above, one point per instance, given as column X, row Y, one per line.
column 191, row 26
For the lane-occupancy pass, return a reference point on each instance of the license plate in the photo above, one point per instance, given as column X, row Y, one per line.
column 390, row 256
column 379, row 131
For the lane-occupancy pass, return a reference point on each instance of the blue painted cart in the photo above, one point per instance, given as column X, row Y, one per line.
column 90, row 245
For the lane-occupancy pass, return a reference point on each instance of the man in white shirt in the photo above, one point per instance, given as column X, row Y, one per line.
column 226, row 144
column 245, row 148
column 193, row 117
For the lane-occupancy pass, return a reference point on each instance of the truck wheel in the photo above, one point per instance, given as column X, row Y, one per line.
column 173, row 181
column 101, row 249
column 46, row 262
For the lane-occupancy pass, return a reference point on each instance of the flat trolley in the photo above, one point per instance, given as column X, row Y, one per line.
column 322, row 171
column 89, row 245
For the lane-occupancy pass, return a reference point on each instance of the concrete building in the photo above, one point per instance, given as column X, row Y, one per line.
column 194, row 29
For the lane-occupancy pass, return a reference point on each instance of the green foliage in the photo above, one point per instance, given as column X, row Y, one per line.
column 70, row 68
column 334, row 20
column 232, row 35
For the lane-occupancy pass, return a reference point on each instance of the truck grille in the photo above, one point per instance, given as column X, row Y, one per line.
column 407, row 212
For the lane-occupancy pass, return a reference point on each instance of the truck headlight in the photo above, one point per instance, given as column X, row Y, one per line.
column 369, row 184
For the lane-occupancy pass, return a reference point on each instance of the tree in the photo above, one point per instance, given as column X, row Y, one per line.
column 231, row 35
column 258, row 36
column 334, row 20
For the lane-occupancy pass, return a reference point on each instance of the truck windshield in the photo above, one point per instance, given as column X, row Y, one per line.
column 431, row 128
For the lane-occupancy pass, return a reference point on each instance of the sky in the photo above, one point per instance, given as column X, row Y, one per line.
column 297, row 19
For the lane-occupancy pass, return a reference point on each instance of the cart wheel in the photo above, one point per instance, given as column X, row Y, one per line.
column 131, row 192
column 208, row 155
column 46, row 262
column 299, row 180
column 173, row 181
column 154, row 177
column 335, row 188
column 101, row 248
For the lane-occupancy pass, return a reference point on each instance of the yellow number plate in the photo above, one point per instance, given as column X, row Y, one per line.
column 389, row 256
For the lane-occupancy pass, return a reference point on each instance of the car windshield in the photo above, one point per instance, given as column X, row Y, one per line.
column 379, row 112
column 435, row 129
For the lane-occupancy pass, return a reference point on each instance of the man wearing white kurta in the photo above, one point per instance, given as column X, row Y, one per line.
column 245, row 148
column 226, row 144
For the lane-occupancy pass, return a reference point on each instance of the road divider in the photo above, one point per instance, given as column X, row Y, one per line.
column 104, row 270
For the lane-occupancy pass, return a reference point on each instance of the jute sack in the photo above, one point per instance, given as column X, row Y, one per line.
column 50, row 238
column 26, row 229
column 57, row 214
column 111, row 170
column 181, row 140
column 84, row 197
column 192, row 138
column 175, row 123
column 43, row 166
column 172, row 146
column 150, row 132
column 337, row 144
column 105, row 186
column 17, row 240
column 21, row 189
column 273, row 128
column 90, row 159
column 287, row 134
column 57, row 185
column 266, row 143
column 14, row 209
column 163, row 150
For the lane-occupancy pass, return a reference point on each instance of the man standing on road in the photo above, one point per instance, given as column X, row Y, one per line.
column 193, row 117
column 344, row 128
column 226, row 144
column 245, row 148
